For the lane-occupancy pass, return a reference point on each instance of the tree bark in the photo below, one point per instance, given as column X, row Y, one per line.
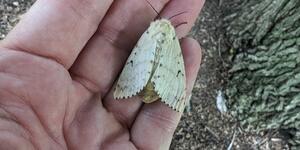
column 264, row 86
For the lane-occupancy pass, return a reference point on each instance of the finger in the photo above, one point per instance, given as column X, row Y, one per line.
column 57, row 29
column 157, row 122
column 190, row 10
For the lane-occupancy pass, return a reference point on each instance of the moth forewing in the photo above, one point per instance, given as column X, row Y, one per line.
column 155, row 68
column 137, row 70
column 169, row 77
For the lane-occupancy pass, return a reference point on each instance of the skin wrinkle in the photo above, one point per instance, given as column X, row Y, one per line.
column 5, row 115
column 111, row 138
column 109, row 33
column 168, row 124
column 103, row 90
column 122, row 132
column 10, row 75
column 76, row 11
column 68, row 118
column 77, row 121
column 24, row 52
column 18, row 122
column 74, row 123
column 86, row 83
column 121, row 117
column 123, row 120
column 21, row 142
column 20, row 101
column 26, row 103
column 64, row 120
column 17, row 48
column 112, row 35
column 47, row 130
column 34, row 112
column 92, row 9
column 24, row 133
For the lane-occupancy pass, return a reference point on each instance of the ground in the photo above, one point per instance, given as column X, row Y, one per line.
column 204, row 127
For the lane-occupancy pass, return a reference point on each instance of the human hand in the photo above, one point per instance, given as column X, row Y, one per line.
column 58, row 66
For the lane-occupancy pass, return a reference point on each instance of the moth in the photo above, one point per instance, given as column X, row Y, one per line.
column 155, row 68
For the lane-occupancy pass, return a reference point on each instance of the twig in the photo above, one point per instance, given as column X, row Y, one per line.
column 212, row 132
column 232, row 141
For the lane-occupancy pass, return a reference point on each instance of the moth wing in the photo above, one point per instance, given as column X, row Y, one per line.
column 138, row 68
column 169, row 76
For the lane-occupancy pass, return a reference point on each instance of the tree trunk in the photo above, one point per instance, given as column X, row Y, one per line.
column 264, row 87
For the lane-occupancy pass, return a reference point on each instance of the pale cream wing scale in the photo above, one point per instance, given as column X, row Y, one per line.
column 169, row 76
column 138, row 68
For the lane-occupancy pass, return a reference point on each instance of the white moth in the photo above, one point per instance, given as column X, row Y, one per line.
column 155, row 68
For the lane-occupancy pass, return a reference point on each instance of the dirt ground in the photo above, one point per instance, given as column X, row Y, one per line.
column 204, row 127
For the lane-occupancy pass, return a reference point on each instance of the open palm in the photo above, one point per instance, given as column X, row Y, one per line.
column 58, row 67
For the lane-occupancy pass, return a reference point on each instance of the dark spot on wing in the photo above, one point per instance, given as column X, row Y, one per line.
column 147, row 32
column 131, row 62
column 179, row 71
column 164, row 34
column 160, row 65
column 174, row 38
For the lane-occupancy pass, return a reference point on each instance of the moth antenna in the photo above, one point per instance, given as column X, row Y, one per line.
column 158, row 16
column 181, row 24
column 177, row 15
